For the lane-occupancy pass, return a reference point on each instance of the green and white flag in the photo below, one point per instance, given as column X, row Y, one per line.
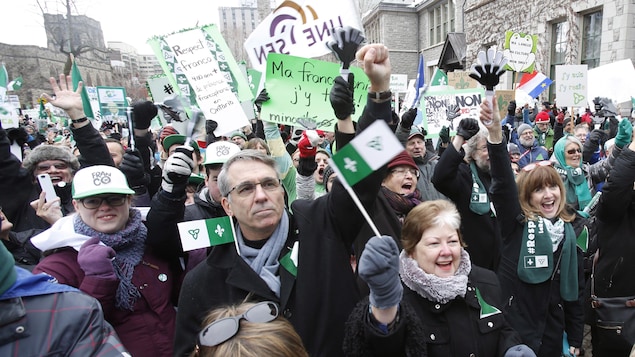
column 486, row 309
column 439, row 78
column 205, row 233
column 369, row 151
column 15, row 84
column 76, row 77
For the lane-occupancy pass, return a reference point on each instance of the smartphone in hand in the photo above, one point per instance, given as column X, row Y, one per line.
column 47, row 186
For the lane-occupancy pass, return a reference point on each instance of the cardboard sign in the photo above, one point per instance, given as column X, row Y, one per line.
column 571, row 85
column 461, row 80
column 503, row 97
column 299, row 89
column 435, row 103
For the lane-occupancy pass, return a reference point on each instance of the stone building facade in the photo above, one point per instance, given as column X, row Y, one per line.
column 36, row 64
column 593, row 32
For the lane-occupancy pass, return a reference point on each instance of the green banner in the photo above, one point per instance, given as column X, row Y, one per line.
column 299, row 90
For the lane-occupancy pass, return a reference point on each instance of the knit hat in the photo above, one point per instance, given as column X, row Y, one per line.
column 414, row 131
column 170, row 140
column 50, row 152
column 323, row 151
column 328, row 171
column 513, row 149
column 99, row 179
column 167, row 131
column 524, row 127
column 238, row 133
column 542, row 117
column 7, row 271
column 219, row 152
column 403, row 158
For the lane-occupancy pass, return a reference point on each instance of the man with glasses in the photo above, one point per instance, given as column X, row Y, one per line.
column 530, row 149
column 301, row 260
column 463, row 174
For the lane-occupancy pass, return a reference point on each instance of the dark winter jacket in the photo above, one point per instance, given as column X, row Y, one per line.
column 537, row 311
column 453, row 329
column 453, row 178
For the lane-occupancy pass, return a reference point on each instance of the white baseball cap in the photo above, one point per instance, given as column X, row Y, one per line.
column 220, row 151
column 99, row 179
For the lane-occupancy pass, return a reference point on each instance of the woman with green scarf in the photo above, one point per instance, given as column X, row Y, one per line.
column 541, row 268
column 579, row 179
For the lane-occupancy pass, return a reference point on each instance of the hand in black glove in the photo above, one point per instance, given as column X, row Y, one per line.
column 444, row 135
column 132, row 167
column 453, row 111
column 468, row 127
column 408, row 118
column 261, row 98
column 178, row 168
column 210, row 126
column 379, row 268
column 598, row 137
column 17, row 135
column 341, row 96
column 511, row 108
column 143, row 113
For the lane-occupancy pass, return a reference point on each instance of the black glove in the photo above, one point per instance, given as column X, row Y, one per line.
column 178, row 168
column 468, row 127
column 210, row 126
column 143, row 113
column 17, row 135
column 598, row 137
column 408, row 118
column 444, row 135
column 511, row 108
column 379, row 268
column 453, row 111
column 341, row 96
column 261, row 98
column 132, row 167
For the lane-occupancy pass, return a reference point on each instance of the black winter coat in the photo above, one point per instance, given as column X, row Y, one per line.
column 453, row 178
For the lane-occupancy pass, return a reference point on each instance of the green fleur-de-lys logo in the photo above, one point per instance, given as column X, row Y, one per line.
column 194, row 233
column 3, row 111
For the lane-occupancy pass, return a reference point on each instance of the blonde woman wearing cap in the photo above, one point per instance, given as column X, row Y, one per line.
column 101, row 250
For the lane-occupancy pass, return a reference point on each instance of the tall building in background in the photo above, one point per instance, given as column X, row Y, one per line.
column 237, row 23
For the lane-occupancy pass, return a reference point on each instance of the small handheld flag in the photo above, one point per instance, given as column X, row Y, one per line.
column 369, row 151
column 205, row 233
column 77, row 77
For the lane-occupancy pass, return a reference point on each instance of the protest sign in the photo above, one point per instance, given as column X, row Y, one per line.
column 399, row 83
column 300, row 28
column 435, row 103
column 571, row 85
column 503, row 97
column 112, row 104
column 9, row 115
column 299, row 89
column 205, row 233
column 461, row 80
column 201, row 68
column 615, row 81
column 520, row 51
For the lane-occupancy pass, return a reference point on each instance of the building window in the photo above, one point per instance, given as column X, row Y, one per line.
column 591, row 39
column 559, row 50
column 440, row 21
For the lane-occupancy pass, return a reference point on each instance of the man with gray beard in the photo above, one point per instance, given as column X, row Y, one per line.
column 530, row 150
column 467, row 185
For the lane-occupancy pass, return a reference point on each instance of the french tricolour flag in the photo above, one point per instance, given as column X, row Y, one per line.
column 534, row 83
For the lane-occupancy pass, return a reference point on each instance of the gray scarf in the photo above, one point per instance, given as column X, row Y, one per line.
column 432, row 287
column 264, row 261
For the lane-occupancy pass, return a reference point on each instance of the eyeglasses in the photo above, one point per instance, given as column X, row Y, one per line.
column 246, row 189
column 46, row 167
column 533, row 165
column 573, row 151
column 402, row 172
column 222, row 330
column 112, row 201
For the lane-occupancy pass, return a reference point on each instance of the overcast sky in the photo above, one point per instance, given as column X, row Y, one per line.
column 130, row 21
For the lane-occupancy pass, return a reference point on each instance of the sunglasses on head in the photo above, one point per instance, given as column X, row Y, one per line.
column 533, row 165
column 573, row 151
column 224, row 329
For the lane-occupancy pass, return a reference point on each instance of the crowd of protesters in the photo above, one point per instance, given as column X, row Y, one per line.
column 490, row 244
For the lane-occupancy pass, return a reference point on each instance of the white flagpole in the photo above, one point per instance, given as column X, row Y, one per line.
column 353, row 195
